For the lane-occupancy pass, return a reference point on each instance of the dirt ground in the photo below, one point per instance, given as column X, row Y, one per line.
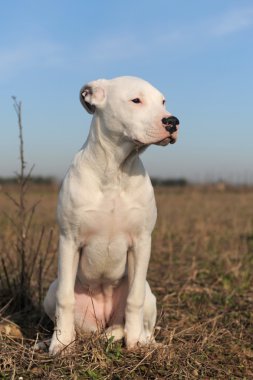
column 201, row 272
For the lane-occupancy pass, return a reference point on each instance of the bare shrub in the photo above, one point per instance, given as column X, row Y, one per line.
column 25, row 256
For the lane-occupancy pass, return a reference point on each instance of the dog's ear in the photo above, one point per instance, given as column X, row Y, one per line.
column 92, row 95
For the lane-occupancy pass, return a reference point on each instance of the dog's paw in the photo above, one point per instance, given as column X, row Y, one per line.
column 115, row 331
column 42, row 345
column 136, row 340
column 61, row 343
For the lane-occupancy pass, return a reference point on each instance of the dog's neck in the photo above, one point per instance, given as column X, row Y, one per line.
column 110, row 154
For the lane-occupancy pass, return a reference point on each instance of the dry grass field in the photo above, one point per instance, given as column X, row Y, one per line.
column 201, row 271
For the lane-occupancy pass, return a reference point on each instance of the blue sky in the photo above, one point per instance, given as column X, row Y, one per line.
column 199, row 53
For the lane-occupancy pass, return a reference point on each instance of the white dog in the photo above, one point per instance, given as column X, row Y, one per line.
column 106, row 213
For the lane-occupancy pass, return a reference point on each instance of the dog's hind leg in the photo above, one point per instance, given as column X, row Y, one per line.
column 50, row 300
column 117, row 320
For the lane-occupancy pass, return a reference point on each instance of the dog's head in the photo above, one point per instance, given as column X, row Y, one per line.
column 132, row 107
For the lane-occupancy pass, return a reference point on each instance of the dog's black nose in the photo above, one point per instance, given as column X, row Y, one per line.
column 170, row 123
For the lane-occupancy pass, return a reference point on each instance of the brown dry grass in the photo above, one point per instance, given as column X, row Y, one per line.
column 201, row 272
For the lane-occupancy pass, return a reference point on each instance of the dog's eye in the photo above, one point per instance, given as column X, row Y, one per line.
column 164, row 101
column 136, row 100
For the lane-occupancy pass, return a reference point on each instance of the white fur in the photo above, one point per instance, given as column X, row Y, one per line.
column 106, row 213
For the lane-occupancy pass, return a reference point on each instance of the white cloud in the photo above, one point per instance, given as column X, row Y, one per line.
column 39, row 54
column 127, row 46
column 29, row 55
column 191, row 37
column 117, row 48
column 233, row 21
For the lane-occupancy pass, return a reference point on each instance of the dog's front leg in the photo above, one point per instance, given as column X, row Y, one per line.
column 138, row 259
column 64, row 333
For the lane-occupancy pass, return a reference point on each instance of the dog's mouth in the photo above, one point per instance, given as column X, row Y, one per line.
column 163, row 142
column 166, row 141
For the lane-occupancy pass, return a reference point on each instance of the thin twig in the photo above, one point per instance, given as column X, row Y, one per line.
column 145, row 357
column 11, row 198
column 36, row 253
column 6, row 275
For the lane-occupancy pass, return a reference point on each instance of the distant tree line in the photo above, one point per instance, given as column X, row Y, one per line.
column 169, row 182
column 33, row 179
column 41, row 180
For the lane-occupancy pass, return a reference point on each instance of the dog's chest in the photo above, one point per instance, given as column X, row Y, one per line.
column 111, row 215
column 107, row 232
